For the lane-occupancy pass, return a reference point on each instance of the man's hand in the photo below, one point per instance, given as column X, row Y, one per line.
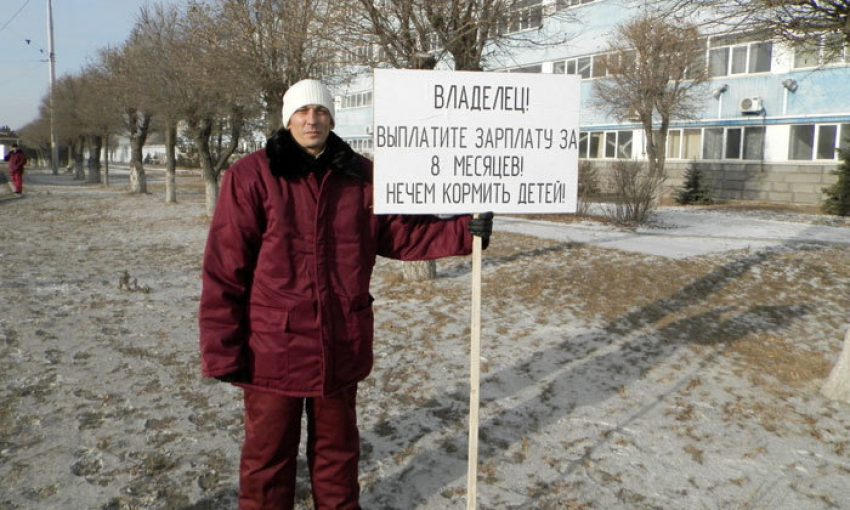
column 482, row 226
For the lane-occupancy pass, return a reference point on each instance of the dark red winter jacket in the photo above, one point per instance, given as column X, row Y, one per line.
column 286, row 270
column 17, row 160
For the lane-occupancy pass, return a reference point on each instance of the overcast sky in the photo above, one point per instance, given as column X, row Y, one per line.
column 80, row 28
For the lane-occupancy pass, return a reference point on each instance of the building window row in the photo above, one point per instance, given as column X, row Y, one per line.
column 605, row 144
column 733, row 143
column 357, row 100
column 362, row 145
column 525, row 15
column 747, row 58
column 818, row 141
column 728, row 60
column 807, row 142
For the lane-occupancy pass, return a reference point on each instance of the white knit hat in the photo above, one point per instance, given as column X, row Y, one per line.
column 303, row 93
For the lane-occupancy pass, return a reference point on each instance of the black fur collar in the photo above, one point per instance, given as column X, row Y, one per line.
column 287, row 159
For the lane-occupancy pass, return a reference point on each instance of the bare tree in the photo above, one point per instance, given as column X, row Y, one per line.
column 160, row 34
column 416, row 34
column 36, row 135
column 656, row 72
column 98, row 112
column 125, row 66
column 796, row 21
column 274, row 44
column 70, row 127
column 218, row 95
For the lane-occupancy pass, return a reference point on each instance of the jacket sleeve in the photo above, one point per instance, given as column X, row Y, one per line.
column 229, row 259
column 423, row 237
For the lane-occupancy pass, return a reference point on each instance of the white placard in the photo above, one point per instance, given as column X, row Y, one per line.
column 450, row 142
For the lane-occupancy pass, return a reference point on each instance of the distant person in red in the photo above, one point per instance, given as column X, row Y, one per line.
column 17, row 160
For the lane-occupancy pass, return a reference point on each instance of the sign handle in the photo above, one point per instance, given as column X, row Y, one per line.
column 474, row 374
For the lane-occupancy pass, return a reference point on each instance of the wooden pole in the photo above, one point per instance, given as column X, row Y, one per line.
column 474, row 374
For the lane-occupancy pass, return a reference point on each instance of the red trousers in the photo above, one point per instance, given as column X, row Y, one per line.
column 17, row 181
column 272, row 434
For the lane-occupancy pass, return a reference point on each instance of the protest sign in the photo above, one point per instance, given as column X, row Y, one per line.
column 458, row 142
column 449, row 142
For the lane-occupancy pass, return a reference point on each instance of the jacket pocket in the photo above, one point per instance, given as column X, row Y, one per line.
column 354, row 354
column 268, row 341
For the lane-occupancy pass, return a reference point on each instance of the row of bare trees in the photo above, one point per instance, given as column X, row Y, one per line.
column 221, row 67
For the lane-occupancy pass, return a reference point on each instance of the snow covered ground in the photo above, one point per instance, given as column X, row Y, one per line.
column 681, row 232
column 675, row 367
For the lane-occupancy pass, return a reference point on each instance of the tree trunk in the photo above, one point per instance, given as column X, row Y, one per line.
column 79, row 167
column 837, row 385
column 72, row 156
column 273, row 105
column 95, row 146
column 419, row 270
column 170, row 163
column 106, row 163
column 203, row 129
column 211, row 195
column 138, row 180
column 139, row 123
column 212, row 169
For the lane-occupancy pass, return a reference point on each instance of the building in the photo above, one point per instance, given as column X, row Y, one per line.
column 769, row 129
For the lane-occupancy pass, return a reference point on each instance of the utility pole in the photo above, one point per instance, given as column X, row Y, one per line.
column 54, row 148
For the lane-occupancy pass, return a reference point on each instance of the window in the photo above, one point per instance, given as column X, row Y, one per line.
column 527, row 14
column 674, row 143
column 760, row 57
column 822, row 50
column 717, row 62
column 611, row 144
column 431, row 42
column 600, row 66
column 729, row 55
column 580, row 66
column 754, row 143
column 734, row 143
column 802, row 142
column 811, row 141
column 713, row 146
column 357, row 100
column 608, row 144
column 624, row 144
column 691, row 139
column 683, row 143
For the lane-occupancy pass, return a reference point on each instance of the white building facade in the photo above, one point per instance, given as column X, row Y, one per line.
column 769, row 129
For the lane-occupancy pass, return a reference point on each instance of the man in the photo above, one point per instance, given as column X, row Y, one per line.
column 17, row 160
column 285, row 309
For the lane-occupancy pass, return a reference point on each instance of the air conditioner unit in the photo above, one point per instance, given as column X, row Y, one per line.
column 751, row 105
column 370, row 130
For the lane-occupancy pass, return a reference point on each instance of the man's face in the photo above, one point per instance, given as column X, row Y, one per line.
column 310, row 126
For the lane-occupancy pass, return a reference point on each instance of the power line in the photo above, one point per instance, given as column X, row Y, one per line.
column 15, row 15
column 29, row 41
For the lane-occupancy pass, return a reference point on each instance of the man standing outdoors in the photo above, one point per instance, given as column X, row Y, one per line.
column 285, row 310
column 17, row 160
